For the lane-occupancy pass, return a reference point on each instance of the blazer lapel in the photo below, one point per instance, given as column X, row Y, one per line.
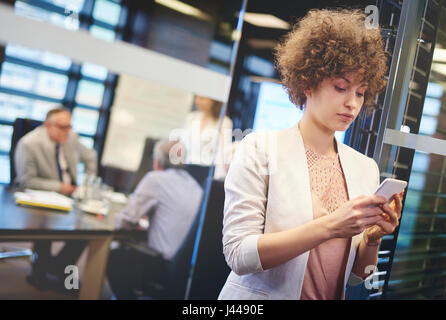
column 352, row 179
column 297, row 155
column 349, row 168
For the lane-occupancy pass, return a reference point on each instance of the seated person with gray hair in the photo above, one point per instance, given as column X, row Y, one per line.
column 46, row 159
column 170, row 197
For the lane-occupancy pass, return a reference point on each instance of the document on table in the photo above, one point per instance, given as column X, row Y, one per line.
column 44, row 199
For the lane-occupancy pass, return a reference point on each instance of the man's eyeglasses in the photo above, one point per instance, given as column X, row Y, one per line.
column 62, row 127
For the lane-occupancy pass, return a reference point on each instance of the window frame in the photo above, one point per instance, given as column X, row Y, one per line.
column 74, row 74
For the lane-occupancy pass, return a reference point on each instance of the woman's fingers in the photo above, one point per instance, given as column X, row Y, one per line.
column 387, row 227
column 391, row 213
column 370, row 201
column 385, row 216
column 369, row 212
column 398, row 205
column 368, row 222
column 388, row 214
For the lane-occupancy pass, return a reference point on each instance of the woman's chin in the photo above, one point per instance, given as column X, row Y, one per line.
column 342, row 127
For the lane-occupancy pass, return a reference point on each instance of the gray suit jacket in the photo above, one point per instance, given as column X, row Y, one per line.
column 35, row 160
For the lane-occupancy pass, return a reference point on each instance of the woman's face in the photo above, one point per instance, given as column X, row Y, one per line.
column 336, row 103
column 204, row 104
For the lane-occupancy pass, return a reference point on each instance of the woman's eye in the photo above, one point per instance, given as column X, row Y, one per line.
column 359, row 94
column 339, row 89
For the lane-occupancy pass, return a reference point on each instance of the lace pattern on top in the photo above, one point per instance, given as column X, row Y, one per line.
column 325, row 178
column 324, row 275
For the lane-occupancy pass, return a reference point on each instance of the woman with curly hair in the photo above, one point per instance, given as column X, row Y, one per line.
column 300, row 217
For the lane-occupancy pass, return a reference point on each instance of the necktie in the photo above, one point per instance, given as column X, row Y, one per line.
column 59, row 169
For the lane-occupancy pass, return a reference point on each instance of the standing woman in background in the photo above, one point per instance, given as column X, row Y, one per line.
column 201, row 127
column 300, row 217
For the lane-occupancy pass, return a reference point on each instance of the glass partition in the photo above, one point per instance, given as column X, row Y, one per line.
column 122, row 114
column 414, row 150
column 419, row 265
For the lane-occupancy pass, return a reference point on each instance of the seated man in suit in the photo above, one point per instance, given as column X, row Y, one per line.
column 47, row 159
column 170, row 197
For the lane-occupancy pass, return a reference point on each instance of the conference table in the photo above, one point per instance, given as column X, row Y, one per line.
column 20, row 223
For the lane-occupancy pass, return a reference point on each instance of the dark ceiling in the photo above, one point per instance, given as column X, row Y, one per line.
column 287, row 10
column 263, row 39
column 290, row 10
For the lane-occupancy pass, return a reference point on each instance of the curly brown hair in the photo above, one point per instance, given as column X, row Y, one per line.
column 328, row 43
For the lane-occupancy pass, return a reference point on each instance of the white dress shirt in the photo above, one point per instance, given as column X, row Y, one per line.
column 66, row 178
column 171, row 199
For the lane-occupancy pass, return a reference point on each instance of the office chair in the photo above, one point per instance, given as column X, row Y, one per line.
column 198, row 172
column 153, row 282
column 179, row 268
column 146, row 163
column 173, row 285
column 210, row 268
column 20, row 128
column 119, row 179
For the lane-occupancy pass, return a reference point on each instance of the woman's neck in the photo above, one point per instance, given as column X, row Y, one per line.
column 317, row 137
column 205, row 120
column 207, row 116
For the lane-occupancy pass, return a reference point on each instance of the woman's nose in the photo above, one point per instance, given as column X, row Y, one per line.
column 352, row 101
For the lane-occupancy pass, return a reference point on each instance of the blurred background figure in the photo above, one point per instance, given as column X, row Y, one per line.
column 170, row 197
column 47, row 159
column 202, row 133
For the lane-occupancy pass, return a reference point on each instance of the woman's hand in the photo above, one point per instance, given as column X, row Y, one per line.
column 389, row 222
column 354, row 216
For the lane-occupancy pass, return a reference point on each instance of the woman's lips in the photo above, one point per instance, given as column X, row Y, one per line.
column 345, row 117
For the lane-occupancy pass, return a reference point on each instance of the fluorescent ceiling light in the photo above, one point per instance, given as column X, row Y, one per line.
column 439, row 55
column 184, row 8
column 439, row 67
column 265, row 21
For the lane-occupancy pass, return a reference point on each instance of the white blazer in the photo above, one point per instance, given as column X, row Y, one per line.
column 268, row 190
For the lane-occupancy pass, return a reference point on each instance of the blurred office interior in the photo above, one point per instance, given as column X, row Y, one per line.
column 129, row 72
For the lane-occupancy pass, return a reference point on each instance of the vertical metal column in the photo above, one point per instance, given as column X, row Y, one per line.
column 207, row 190
column 400, row 71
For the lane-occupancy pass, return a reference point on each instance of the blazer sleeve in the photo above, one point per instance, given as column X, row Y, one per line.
column 377, row 175
column 27, row 173
column 246, row 188
column 353, row 279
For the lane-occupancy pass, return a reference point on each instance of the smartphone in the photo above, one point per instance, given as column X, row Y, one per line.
column 389, row 187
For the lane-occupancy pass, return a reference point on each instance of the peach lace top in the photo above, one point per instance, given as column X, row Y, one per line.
column 324, row 275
